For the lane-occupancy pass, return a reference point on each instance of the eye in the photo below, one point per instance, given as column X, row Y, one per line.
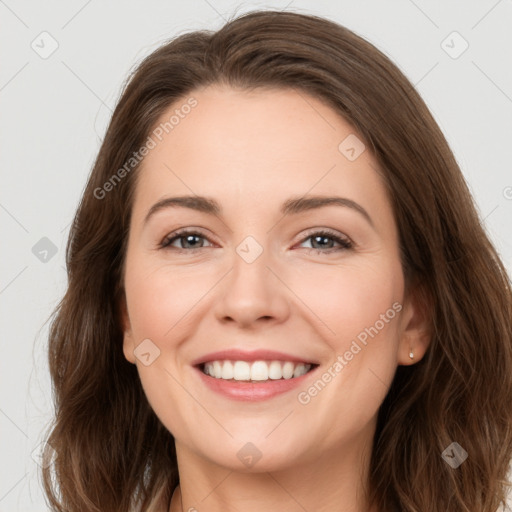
column 189, row 240
column 320, row 241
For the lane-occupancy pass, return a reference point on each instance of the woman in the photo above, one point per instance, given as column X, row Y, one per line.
column 280, row 294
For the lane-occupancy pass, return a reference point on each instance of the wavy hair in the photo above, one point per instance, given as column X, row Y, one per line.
column 113, row 453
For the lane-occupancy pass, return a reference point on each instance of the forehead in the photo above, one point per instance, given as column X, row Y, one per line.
column 248, row 145
column 257, row 125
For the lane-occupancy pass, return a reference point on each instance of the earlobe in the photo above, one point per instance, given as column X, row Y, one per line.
column 128, row 348
column 128, row 344
column 416, row 328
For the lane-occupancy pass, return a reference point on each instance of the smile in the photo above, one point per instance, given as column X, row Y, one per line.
column 256, row 371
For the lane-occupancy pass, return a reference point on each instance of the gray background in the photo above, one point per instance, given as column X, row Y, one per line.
column 55, row 111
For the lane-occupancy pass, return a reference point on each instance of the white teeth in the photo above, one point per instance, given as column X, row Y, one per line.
column 274, row 370
column 259, row 370
column 241, row 371
column 227, row 371
column 288, row 370
column 255, row 371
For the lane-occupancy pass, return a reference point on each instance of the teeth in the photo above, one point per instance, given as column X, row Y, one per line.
column 275, row 372
column 300, row 369
column 259, row 370
column 241, row 370
column 288, row 370
column 227, row 371
column 255, row 371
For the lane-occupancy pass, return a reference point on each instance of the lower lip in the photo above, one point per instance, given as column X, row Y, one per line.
column 252, row 391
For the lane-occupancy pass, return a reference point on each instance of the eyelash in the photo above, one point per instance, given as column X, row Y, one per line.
column 345, row 243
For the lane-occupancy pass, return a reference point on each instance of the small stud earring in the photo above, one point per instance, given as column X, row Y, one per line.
column 411, row 355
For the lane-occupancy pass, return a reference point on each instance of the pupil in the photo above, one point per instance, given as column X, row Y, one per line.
column 190, row 238
column 321, row 237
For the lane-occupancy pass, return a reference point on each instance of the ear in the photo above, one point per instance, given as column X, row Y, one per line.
column 416, row 331
column 128, row 341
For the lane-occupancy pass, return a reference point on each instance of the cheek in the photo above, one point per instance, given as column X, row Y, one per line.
column 353, row 300
column 358, row 315
column 162, row 304
column 161, row 299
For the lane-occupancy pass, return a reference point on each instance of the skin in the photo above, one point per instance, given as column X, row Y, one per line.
column 251, row 151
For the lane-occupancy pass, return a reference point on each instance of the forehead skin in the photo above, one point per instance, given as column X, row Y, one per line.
column 253, row 150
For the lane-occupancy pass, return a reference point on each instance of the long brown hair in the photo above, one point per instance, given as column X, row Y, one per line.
column 112, row 452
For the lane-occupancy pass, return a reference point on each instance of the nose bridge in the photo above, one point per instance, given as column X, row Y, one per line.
column 252, row 290
column 250, row 267
column 250, row 249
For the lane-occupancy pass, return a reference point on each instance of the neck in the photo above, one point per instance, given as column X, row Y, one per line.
column 329, row 481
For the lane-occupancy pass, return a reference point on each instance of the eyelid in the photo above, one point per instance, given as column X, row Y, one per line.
column 328, row 231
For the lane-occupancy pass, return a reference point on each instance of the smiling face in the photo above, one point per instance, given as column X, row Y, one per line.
column 261, row 267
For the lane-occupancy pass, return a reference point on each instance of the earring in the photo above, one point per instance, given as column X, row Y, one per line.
column 411, row 355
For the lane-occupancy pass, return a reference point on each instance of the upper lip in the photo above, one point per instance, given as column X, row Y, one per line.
column 254, row 355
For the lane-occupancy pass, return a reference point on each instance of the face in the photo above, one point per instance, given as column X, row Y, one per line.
column 269, row 275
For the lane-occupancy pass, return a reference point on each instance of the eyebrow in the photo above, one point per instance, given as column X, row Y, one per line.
column 292, row 206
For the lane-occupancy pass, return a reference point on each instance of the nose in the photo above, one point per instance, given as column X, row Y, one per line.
column 253, row 293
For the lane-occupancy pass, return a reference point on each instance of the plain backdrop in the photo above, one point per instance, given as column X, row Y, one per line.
column 62, row 66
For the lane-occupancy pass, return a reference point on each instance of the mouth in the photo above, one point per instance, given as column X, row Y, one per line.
column 257, row 371
column 253, row 376
column 255, row 381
